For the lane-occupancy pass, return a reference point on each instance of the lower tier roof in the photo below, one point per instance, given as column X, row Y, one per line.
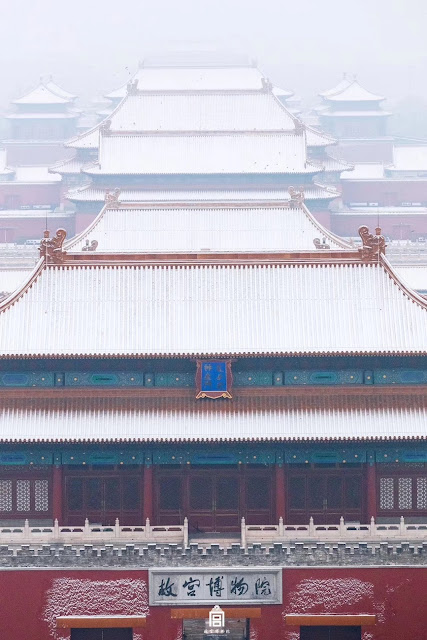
column 308, row 417
column 212, row 305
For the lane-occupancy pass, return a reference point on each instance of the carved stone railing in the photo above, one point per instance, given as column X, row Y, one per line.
column 345, row 532
column 342, row 532
column 92, row 533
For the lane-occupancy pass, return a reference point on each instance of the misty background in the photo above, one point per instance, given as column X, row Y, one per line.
column 92, row 47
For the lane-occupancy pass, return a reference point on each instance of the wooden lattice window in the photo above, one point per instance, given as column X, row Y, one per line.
column 403, row 490
column 25, row 497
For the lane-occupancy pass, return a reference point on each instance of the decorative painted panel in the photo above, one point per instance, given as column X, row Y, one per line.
column 104, row 379
column 37, row 457
column 400, row 376
column 327, row 456
column 252, row 378
column 307, row 377
column 174, row 379
column 79, row 456
column 27, row 379
column 211, row 456
column 392, row 455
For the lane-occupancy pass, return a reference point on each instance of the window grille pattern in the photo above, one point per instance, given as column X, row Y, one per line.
column 5, row 495
column 386, row 493
column 421, row 493
column 41, row 495
column 405, row 493
column 23, row 495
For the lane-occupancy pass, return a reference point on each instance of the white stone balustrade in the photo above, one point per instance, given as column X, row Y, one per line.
column 342, row 532
column 92, row 533
column 346, row 532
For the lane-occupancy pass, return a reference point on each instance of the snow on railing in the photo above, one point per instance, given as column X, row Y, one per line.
column 344, row 531
column 96, row 533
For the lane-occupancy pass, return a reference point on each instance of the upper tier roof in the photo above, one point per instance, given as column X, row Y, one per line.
column 282, row 93
column 228, row 111
column 342, row 84
column 194, row 79
column 55, row 88
column 225, row 227
column 353, row 92
column 42, row 95
column 318, row 138
column 203, row 154
column 314, row 416
column 365, row 171
column 91, row 194
column 214, row 306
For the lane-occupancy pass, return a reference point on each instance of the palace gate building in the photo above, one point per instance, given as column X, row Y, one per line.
column 212, row 402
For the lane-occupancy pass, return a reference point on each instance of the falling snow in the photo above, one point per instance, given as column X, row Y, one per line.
column 69, row 596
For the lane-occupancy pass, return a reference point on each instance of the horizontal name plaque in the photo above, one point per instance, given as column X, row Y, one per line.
column 227, row 586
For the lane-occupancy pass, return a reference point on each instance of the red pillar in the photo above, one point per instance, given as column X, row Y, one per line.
column 371, row 490
column 57, row 494
column 148, row 493
column 280, row 493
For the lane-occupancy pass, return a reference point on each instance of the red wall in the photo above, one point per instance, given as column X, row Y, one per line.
column 30, row 600
column 30, row 194
column 392, row 192
column 397, row 227
column 13, row 229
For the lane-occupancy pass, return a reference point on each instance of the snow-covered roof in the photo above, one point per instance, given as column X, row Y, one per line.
column 335, row 164
column 342, row 84
column 66, row 115
column 91, row 194
column 353, row 92
column 67, row 167
column 316, row 306
column 282, row 93
column 42, row 95
column 409, row 158
column 146, row 229
column 11, row 279
column 365, row 171
column 415, row 276
column 35, row 174
column 384, row 211
column 314, row 416
column 194, row 79
column 55, row 88
column 201, row 112
column 203, row 154
column 318, row 138
column 87, row 140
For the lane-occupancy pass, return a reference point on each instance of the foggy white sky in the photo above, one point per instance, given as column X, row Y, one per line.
column 304, row 45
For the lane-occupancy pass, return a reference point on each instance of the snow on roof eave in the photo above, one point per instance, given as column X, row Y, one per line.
column 354, row 92
column 25, row 285
column 41, row 95
column 73, row 242
column 62, row 93
column 342, row 84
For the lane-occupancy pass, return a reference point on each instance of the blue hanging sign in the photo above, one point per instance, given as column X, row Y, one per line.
column 213, row 379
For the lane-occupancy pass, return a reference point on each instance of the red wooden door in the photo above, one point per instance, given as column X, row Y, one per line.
column 213, row 500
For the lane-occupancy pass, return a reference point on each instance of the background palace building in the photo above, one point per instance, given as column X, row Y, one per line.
column 207, row 397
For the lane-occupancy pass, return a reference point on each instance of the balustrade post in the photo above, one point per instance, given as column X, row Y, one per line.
column 147, row 528
column 26, row 529
column 86, row 528
column 343, row 529
column 56, row 529
column 281, row 529
column 185, row 533
column 373, row 528
column 311, row 528
column 402, row 526
column 117, row 528
column 243, row 533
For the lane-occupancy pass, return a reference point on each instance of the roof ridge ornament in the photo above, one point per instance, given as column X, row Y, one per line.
column 297, row 197
column 266, row 84
column 321, row 244
column 105, row 127
column 372, row 245
column 112, row 198
column 51, row 248
column 132, row 87
column 90, row 246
